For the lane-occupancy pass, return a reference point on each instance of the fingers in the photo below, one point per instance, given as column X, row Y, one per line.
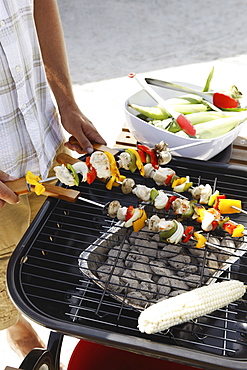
column 6, row 195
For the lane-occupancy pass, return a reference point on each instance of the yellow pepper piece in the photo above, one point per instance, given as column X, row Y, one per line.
column 115, row 174
column 238, row 231
column 139, row 163
column 34, row 180
column 140, row 223
column 178, row 181
column 225, row 205
column 201, row 240
column 111, row 182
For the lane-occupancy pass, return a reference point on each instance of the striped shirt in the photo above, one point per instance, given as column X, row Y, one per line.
column 30, row 131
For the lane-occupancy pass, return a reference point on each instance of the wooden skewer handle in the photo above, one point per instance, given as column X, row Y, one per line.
column 20, row 187
column 96, row 146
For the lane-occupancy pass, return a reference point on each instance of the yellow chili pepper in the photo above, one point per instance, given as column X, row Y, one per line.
column 34, row 180
column 238, row 231
column 178, row 181
column 140, row 223
column 201, row 240
column 139, row 163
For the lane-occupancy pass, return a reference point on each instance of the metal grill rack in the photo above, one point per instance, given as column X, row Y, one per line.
column 47, row 282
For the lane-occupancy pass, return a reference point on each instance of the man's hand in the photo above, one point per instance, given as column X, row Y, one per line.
column 6, row 195
column 81, row 128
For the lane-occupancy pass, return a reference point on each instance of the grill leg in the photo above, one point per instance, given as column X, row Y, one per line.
column 49, row 357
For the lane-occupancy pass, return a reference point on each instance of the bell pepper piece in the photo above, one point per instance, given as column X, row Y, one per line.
column 163, row 235
column 169, row 202
column 188, row 233
column 74, row 173
column 168, row 179
column 153, row 194
column 217, row 199
column 148, row 159
column 138, row 161
column 142, row 155
column 129, row 213
column 238, row 231
column 229, row 226
column 190, row 210
column 201, row 240
column 151, row 153
column 34, row 180
column 92, row 174
column 213, row 198
column 178, row 181
column 132, row 165
column 140, row 223
column 115, row 174
column 225, row 205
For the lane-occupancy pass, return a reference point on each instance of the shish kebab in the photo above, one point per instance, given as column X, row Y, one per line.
column 103, row 165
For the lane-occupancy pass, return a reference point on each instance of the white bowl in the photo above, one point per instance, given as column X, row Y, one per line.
column 147, row 134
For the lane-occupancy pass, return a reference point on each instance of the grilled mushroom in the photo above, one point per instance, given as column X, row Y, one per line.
column 127, row 185
column 113, row 208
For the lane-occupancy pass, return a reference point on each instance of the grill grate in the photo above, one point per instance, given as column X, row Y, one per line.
column 47, row 284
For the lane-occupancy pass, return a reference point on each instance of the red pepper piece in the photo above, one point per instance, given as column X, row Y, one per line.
column 218, row 197
column 92, row 174
column 129, row 213
column 169, row 202
column 186, row 125
column 229, row 226
column 151, row 153
column 224, row 101
column 188, row 232
column 142, row 155
column 169, row 179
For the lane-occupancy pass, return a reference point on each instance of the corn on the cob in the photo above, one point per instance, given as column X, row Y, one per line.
column 217, row 127
column 189, row 305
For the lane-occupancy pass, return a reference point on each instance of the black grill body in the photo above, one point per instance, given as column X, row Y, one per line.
column 45, row 281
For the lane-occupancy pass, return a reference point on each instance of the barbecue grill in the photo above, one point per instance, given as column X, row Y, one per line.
column 53, row 275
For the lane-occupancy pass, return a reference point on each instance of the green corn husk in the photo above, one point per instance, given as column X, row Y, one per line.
column 152, row 112
column 217, row 127
column 159, row 113
column 208, row 81
column 185, row 99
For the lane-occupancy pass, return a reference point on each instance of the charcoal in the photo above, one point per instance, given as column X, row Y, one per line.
column 193, row 281
column 128, row 280
column 147, row 248
column 135, row 257
column 178, row 284
column 148, row 288
column 169, row 250
column 119, row 252
column 137, row 298
column 163, row 286
column 178, row 262
column 174, row 293
column 159, row 268
column 141, row 271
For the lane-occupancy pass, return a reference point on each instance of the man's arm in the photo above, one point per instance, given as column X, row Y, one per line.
column 50, row 34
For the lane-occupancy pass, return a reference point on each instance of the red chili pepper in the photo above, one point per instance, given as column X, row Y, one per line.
column 151, row 153
column 218, row 197
column 142, row 155
column 129, row 213
column 188, row 232
column 169, row 202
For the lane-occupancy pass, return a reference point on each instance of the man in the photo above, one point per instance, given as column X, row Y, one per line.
column 32, row 55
